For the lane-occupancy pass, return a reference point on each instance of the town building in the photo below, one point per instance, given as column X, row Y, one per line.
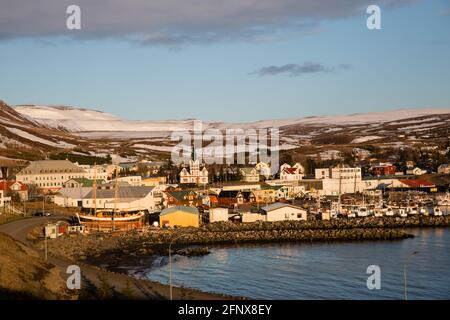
column 197, row 174
column 71, row 197
column 82, row 182
column 249, row 174
column 283, row 212
column 176, row 198
column 4, row 200
column 340, row 180
column 382, row 169
column 102, row 172
column 12, row 188
column 49, row 175
column 263, row 170
column 154, row 181
column 179, row 216
column 233, row 198
column 294, row 173
column 131, row 180
column 218, row 214
column 129, row 198
column 361, row 154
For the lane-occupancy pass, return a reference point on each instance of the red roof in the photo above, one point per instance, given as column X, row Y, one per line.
column 290, row 170
column 9, row 183
column 417, row 183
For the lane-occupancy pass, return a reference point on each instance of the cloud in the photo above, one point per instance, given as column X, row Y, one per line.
column 177, row 22
column 295, row 70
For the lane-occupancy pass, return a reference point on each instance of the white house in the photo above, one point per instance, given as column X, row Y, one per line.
column 194, row 175
column 248, row 217
column 4, row 200
column 101, row 172
column 294, row 173
column 340, row 180
column 71, row 197
column 263, row 169
column 283, row 211
column 131, row 180
column 218, row 214
column 249, row 174
column 50, row 175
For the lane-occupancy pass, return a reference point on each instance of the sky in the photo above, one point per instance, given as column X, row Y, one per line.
column 228, row 60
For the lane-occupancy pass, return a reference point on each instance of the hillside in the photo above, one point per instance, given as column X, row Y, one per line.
column 21, row 137
column 33, row 131
column 24, row 275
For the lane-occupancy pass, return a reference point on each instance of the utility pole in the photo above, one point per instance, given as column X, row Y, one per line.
column 45, row 245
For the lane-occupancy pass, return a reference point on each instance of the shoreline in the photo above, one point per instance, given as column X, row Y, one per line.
column 118, row 253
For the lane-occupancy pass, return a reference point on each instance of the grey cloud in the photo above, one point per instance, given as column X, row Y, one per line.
column 294, row 70
column 177, row 22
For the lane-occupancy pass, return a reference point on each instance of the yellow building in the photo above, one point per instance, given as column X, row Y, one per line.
column 179, row 216
column 154, row 181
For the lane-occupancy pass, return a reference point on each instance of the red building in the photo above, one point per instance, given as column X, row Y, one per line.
column 15, row 187
column 383, row 170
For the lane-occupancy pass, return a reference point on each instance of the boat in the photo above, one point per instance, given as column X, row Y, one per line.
column 389, row 212
column 378, row 213
column 362, row 212
column 111, row 219
column 412, row 211
column 402, row 213
column 444, row 200
column 423, row 211
column 119, row 218
column 437, row 212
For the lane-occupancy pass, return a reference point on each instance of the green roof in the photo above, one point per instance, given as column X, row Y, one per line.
column 185, row 209
column 87, row 182
column 179, row 195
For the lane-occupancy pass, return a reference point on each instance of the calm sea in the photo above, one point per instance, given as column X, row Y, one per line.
column 316, row 271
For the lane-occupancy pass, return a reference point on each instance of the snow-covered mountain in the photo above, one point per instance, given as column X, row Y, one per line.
column 84, row 120
column 30, row 130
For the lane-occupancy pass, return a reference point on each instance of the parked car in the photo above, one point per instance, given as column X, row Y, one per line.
column 41, row 213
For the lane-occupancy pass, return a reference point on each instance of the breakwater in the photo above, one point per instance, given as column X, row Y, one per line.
column 155, row 240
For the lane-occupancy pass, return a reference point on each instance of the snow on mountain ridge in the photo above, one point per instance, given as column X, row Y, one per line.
column 85, row 120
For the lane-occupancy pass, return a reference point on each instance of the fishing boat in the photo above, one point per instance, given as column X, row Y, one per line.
column 412, row 211
column 362, row 212
column 402, row 213
column 111, row 219
column 389, row 212
column 437, row 212
column 378, row 213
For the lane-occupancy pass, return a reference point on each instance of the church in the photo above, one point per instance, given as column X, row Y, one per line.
column 194, row 175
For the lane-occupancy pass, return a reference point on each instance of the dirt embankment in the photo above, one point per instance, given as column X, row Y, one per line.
column 24, row 275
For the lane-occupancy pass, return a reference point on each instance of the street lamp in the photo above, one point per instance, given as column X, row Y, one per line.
column 404, row 273
column 170, row 265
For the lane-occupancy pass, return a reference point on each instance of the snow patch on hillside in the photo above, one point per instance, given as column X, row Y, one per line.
column 83, row 120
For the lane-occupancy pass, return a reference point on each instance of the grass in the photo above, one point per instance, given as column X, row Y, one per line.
column 6, row 218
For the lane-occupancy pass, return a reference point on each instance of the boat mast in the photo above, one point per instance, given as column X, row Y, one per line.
column 116, row 193
column 94, row 190
column 340, row 186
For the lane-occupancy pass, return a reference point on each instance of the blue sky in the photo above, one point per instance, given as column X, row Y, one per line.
column 406, row 64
